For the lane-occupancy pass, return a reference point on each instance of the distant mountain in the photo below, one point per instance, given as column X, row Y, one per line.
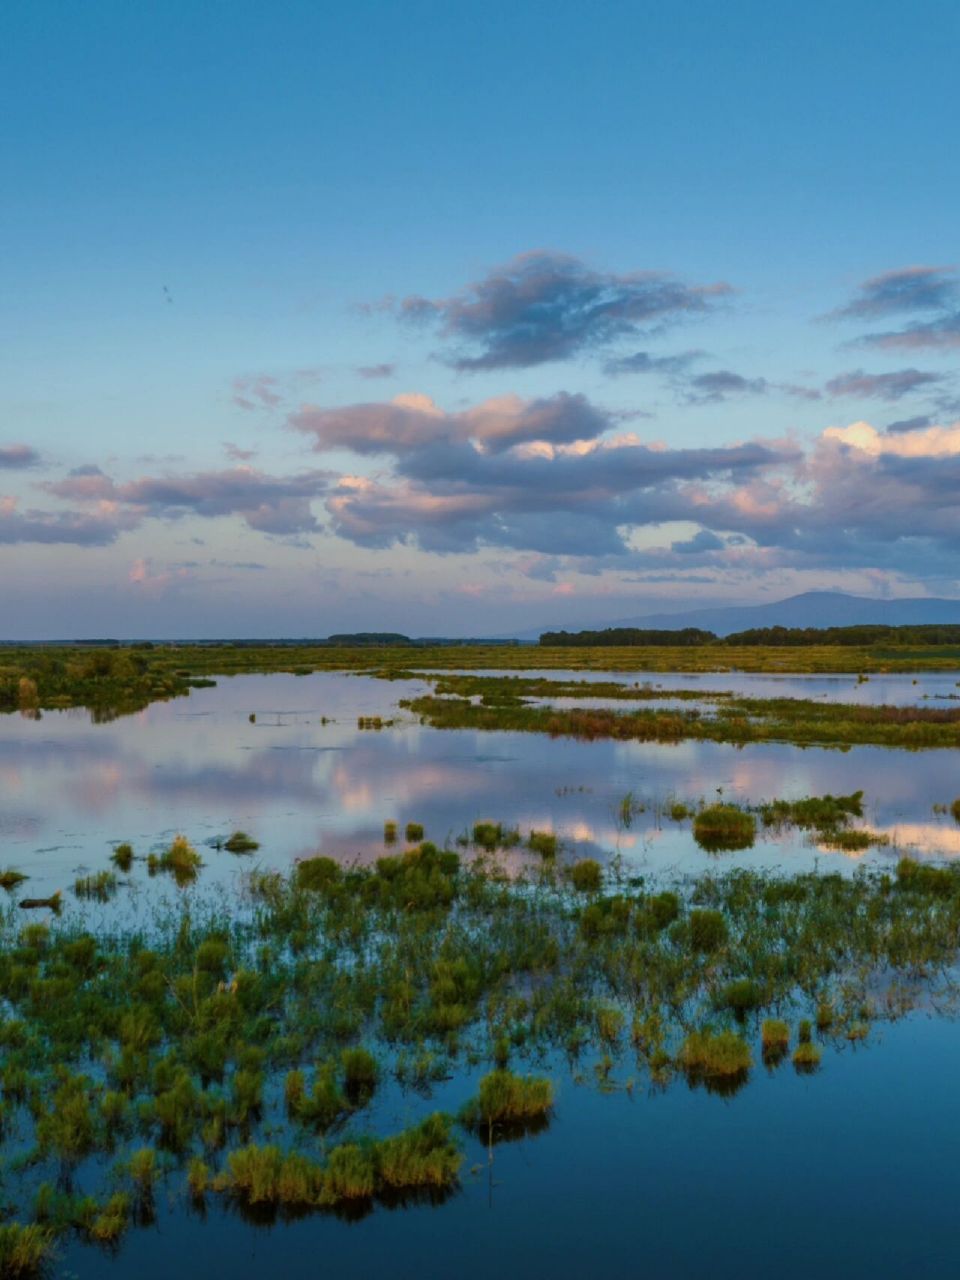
column 811, row 609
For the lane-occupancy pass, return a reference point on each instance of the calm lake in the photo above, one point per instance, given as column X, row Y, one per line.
column 624, row 1182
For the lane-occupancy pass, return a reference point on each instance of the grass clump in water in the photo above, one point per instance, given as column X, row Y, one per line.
column 318, row 874
column 543, row 842
column 10, row 878
column 708, row 929
column 390, row 832
column 240, row 842
column 507, row 1099
column 24, row 1249
column 122, row 856
column 586, row 876
column 100, row 887
column 775, row 1039
column 414, row 832
column 806, row 1056
column 708, row 1057
column 180, row 860
column 722, row 828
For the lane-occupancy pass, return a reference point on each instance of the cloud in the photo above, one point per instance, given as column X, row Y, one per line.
column 544, row 306
column 882, row 386
column 79, row 529
column 909, row 424
column 644, row 362
column 723, row 384
column 934, row 291
column 409, row 423
column 236, row 454
column 270, row 504
column 260, row 391
column 18, row 456
column 908, row 289
column 375, row 371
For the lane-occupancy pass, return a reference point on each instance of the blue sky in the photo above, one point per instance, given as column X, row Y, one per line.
column 615, row 261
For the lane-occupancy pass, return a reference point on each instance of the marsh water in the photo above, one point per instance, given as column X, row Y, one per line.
column 302, row 778
column 625, row 1181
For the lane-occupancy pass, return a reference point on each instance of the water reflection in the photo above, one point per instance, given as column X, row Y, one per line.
column 302, row 778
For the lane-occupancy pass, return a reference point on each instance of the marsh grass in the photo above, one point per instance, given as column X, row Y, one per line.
column 25, row 1249
column 99, row 887
column 267, row 1028
column 122, row 857
column 722, row 828
column 414, row 832
column 240, row 842
column 179, row 859
column 11, row 879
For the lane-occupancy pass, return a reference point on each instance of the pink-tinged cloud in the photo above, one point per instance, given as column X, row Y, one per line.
column 17, row 456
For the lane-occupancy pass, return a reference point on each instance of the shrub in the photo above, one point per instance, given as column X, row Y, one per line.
column 414, row 832
column 955, row 809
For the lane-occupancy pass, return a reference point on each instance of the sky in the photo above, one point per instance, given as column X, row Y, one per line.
column 471, row 318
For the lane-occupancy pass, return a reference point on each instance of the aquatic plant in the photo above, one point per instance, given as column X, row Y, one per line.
column 389, row 832
column 179, row 859
column 11, row 879
column 723, row 827
column 543, row 842
column 775, row 1039
column 505, row 1098
column 806, row 1056
column 708, row 929
column 240, row 842
column 101, row 887
column 705, row 1054
column 24, row 1249
column 586, row 875
column 122, row 856
column 414, row 832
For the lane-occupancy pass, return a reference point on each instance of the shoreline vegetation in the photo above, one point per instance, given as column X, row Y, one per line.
column 112, row 679
column 498, row 703
column 248, row 1054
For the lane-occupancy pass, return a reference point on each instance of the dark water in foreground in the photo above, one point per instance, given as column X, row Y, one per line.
column 849, row 1172
column 852, row 1172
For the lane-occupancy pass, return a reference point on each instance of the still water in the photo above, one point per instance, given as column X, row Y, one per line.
column 851, row 1172
column 302, row 778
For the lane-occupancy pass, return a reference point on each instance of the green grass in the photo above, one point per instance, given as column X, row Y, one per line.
column 723, row 827
column 122, row 857
column 240, row 842
column 179, row 859
column 100, row 887
column 11, row 878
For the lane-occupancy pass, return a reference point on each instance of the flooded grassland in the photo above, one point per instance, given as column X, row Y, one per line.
column 328, row 974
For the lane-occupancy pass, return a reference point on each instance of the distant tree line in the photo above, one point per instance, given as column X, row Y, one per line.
column 620, row 636
column 777, row 637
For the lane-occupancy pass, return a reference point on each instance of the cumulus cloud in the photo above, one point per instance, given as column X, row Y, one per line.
column 929, row 292
column 543, row 306
column 411, row 422
column 882, row 386
column 269, row 504
column 79, row 529
column 17, row 456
